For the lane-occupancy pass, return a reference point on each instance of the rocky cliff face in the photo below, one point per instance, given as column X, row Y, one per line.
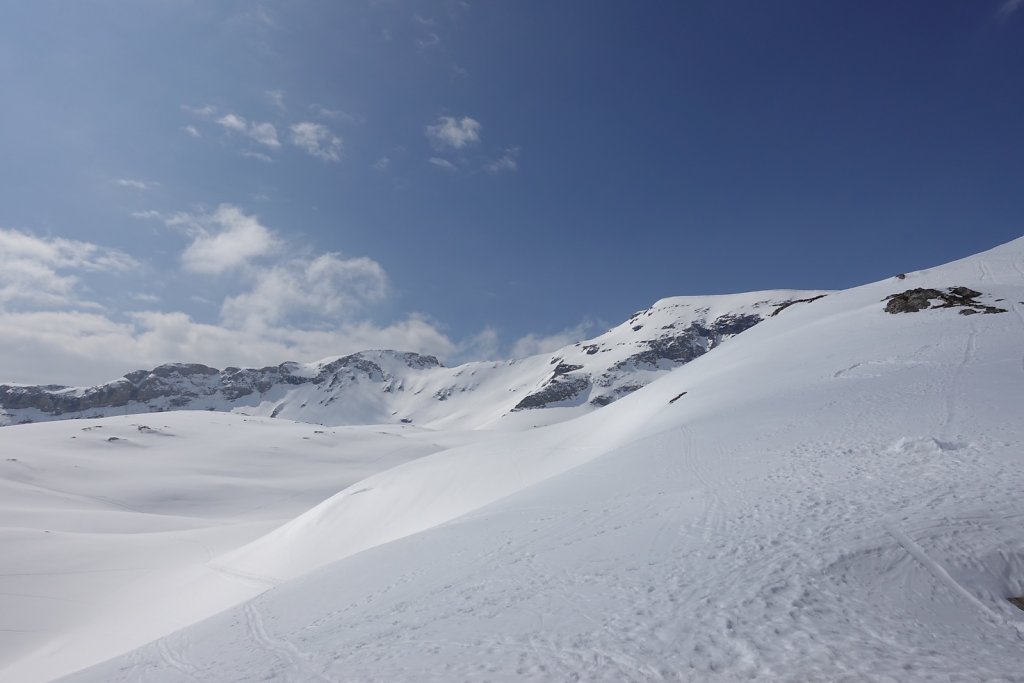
column 390, row 386
column 182, row 385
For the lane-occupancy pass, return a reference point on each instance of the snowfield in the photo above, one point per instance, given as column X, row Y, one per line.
column 832, row 495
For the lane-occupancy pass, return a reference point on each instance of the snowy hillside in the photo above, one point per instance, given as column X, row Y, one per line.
column 834, row 494
column 378, row 387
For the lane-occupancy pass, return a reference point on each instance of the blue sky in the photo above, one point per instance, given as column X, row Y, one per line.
column 249, row 182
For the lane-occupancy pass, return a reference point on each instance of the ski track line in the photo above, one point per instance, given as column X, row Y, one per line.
column 295, row 659
column 954, row 385
column 266, row 581
column 940, row 573
column 176, row 660
column 138, row 666
column 1015, row 305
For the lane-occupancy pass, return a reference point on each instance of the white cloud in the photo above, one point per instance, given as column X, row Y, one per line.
column 206, row 111
column 430, row 40
column 533, row 344
column 87, row 348
column 263, row 133
column 326, row 287
column 191, row 130
column 148, row 214
column 260, row 156
column 454, row 133
column 382, row 164
column 336, row 114
column 276, row 98
column 508, row 161
column 1009, row 7
column 442, row 163
column 135, row 184
column 45, row 270
column 233, row 122
column 317, row 140
column 484, row 345
column 224, row 240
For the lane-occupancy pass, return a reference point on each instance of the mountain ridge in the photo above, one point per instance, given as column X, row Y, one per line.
column 373, row 386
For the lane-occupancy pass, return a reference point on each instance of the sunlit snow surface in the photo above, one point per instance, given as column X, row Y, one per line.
column 837, row 496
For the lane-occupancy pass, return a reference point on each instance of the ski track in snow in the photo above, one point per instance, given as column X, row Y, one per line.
column 176, row 659
column 295, row 661
column 953, row 389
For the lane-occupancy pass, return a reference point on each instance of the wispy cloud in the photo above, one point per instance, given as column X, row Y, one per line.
column 263, row 133
column 449, row 131
column 1009, row 7
column 222, row 241
column 442, row 163
column 276, row 98
column 327, row 286
column 206, row 111
column 430, row 40
column 339, row 115
column 508, row 161
column 259, row 156
column 317, row 140
column 533, row 344
column 191, row 130
column 382, row 164
column 135, row 184
column 45, row 270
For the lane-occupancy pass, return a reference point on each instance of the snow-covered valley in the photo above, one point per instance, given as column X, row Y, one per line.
column 832, row 493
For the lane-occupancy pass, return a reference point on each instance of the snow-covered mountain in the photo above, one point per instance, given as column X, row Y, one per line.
column 831, row 495
column 378, row 387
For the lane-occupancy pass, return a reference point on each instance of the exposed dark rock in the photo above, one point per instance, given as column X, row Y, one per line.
column 786, row 304
column 918, row 299
column 692, row 342
column 619, row 392
column 729, row 325
column 566, row 368
column 680, row 395
column 591, row 349
column 558, row 389
column 177, row 385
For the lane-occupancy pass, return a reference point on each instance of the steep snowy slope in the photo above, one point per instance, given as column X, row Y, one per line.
column 377, row 387
column 833, row 495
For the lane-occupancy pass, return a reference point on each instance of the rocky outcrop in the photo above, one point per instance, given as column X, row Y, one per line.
column 558, row 390
column 673, row 346
column 914, row 300
column 693, row 341
column 179, row 385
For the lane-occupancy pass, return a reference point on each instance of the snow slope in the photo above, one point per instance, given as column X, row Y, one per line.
column 832, row 495
column 108, row 527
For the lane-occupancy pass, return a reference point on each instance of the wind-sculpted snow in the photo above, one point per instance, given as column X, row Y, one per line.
column 831, row 495
column 377, row 387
